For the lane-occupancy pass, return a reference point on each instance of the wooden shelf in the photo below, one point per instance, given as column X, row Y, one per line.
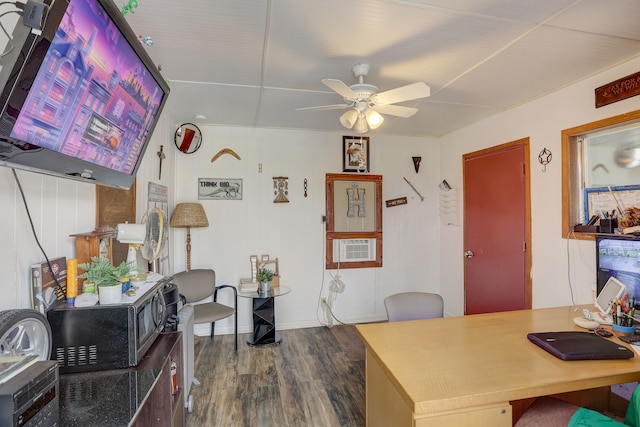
column 161, row 406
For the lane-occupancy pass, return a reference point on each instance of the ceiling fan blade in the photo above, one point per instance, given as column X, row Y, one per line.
column 325, row 107
column 340, row 87
column 403, row 93
column 395, row 110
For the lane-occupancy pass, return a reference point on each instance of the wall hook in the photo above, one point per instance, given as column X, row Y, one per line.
column 544, row 158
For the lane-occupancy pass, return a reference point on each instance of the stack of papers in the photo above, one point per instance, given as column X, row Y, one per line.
column 603, row 319
column 248, row 285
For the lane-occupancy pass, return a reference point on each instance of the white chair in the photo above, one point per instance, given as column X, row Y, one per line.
column 413, row 306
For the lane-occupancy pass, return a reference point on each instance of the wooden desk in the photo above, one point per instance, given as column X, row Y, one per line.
column 463, row 371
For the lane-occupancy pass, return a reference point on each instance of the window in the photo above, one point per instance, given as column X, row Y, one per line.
column 600, row 154
column 354, row 221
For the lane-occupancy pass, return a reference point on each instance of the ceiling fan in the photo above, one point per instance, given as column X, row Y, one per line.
column 365, row 104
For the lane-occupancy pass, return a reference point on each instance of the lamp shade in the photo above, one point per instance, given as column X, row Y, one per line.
column 131, row 233
column 189, row 215
column 361, row 125
column 349, row 118
column 373, row 118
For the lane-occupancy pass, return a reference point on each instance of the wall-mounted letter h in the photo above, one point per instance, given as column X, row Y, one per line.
column 353, row 202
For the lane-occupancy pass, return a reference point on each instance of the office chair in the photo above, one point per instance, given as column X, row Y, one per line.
column 413, row 306
column 196, row 285
column 552, row 412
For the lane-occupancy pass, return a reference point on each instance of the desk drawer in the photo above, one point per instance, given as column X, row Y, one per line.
column 494, row 416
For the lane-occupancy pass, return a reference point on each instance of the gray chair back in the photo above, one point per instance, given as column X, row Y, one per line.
column 196, row 285
column 413, row 306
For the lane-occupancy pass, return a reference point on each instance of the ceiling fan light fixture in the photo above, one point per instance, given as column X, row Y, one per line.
column 364, row 104
column 361, row 125
column 349, row 118
column 374, row 119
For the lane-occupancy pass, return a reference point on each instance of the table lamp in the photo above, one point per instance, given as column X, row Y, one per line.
column 133, row 235
column 189, row 215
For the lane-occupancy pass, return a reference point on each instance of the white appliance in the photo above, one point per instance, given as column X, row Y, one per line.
column 185, row 314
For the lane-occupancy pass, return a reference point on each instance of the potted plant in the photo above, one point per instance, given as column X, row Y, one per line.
column 106, row 277
column 265, row 276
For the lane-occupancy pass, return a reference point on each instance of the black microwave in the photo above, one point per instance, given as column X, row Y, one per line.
column 107, row 336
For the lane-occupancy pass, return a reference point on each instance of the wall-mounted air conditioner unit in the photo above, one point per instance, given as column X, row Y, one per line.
column 353, row 250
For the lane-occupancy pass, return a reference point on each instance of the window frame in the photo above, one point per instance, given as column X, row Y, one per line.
column 332, row 234
column 572, row 163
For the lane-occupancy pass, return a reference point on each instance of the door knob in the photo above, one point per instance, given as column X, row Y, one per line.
column 468, row 254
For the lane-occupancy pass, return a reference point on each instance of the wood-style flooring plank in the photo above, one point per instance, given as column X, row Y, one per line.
column 314, row 377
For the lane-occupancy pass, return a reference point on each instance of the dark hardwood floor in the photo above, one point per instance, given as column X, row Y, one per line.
column 314, row 377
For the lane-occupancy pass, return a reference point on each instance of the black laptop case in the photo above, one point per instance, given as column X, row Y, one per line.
column 573, row 345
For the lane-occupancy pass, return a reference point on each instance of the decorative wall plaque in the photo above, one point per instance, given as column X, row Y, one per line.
column 280, row 189
column 618, row 90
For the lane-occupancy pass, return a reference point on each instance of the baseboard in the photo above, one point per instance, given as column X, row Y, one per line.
column 204, row 330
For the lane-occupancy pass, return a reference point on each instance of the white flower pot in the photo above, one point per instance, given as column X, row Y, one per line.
column 110, row 294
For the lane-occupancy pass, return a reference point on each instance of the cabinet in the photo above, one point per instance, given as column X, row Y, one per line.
column 97, row 243
column 164, row 404
column 138, row 396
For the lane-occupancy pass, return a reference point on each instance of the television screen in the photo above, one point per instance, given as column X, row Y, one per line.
column 84, row 99
column 618, row 256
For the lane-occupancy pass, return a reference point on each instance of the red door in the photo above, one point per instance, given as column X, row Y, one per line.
column 497, row 229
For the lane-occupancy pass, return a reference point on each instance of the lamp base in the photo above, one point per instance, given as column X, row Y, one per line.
column 132, row 259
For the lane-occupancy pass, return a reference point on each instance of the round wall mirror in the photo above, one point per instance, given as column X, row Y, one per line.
column 628, row 157
column 188, row 138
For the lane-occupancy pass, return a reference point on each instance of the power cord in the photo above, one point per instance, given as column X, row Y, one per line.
column 322, row 321
column 335, row 287
column 34, row 15
column 4, row 30
column 569, row 234
column 58, row 288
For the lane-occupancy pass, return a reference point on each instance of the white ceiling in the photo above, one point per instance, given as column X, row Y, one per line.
column 253, row 62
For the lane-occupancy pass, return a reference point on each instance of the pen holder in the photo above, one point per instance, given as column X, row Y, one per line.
column 624, row 330
column 608, row 225
column 586, row 228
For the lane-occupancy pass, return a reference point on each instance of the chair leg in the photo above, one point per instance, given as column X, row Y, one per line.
column 235, row 316
column 213, row 324
column 235, row 309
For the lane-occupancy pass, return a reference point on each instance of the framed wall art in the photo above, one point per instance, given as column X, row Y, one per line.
column 219, row 189
column 355, row 154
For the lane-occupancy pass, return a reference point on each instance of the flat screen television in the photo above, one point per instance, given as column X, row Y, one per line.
column 618, row 256
column 81, row 99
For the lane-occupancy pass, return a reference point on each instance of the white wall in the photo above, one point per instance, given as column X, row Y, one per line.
column 59, row 208
column 542, row 121
column 293, row 231
column 419, row 254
